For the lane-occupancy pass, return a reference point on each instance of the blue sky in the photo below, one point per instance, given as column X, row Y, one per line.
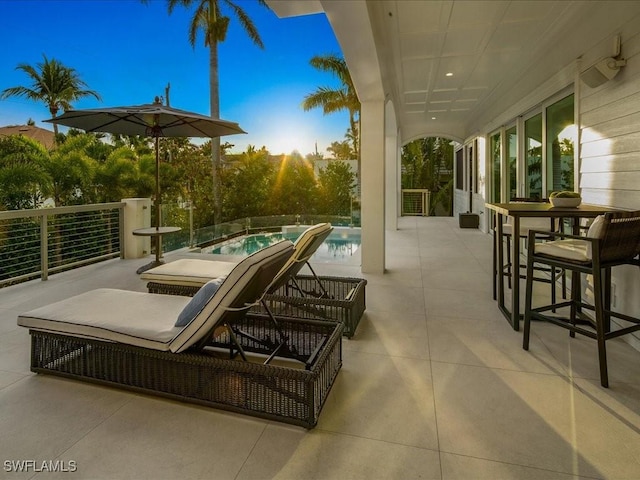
column 128, row 52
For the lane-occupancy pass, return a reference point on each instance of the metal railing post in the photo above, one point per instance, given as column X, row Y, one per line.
column 121, row 231
column 44, row 247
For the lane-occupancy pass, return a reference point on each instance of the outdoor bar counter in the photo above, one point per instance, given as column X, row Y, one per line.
column 519, row 210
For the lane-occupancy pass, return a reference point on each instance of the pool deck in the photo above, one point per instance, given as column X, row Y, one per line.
column 434, row 385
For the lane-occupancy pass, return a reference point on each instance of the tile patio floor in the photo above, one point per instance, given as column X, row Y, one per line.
column 435, row 385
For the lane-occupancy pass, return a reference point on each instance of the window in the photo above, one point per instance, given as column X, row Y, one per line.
column 496, row 179
column 460, row 169
column 512, row 160
column 561, row 137
column 470, row 164
column 533, row 153
column 476, row 167
column 545, row 137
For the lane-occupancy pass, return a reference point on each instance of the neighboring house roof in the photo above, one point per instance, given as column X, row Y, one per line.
column 45, row 137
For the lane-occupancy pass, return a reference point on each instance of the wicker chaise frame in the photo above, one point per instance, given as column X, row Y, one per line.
column 274, row 392
column 342, row 299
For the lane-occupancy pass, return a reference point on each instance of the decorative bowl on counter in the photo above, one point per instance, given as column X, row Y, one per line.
column 565, row 199
column 565, row 202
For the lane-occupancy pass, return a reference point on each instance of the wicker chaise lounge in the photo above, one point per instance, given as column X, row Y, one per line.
column 307, row 296
column 132, row 340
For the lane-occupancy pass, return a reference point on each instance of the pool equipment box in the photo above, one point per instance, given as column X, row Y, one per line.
column 469, row 220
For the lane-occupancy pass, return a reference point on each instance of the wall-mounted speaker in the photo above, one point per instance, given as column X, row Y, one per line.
column 603, row 71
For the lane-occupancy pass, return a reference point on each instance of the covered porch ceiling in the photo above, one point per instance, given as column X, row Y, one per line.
column 450, row 67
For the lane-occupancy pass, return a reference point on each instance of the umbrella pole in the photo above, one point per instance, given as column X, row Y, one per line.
column 158, row 209
column 158, row 223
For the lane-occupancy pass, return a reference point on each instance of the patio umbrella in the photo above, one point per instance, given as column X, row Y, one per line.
column 151, row 120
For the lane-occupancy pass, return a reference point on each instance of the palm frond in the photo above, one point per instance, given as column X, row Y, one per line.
column 324, row 97
column 246, row 23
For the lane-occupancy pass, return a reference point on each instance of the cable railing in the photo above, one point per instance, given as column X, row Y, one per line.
column 36, row 243
column 415, row 202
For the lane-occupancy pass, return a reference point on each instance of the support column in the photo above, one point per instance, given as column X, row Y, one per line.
column 392, row 169
column 137, row 214
column 373, row 186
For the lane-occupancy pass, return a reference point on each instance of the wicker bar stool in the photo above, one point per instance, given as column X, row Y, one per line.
column 613, row 239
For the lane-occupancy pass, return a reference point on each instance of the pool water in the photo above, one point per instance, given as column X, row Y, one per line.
column 338, row 246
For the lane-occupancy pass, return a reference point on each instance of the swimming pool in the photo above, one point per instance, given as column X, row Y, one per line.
column 340, row 245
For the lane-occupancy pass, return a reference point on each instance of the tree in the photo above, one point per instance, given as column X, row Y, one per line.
column 209, row 18
column 71, row 170
column 294, row 187
column 341, row 150
column 248, row 185
column 120, row 176
column 52, row 83
column 335, row 185
column 334, row 100
column 23, row 177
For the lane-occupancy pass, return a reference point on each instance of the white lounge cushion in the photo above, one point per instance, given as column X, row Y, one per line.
column 301, row 248
column 196, row 272
column 122, row 316
column 228, row 292
column 147, row 319
column 188, row 272
column 307, row 237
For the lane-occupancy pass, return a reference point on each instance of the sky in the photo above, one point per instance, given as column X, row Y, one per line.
column 129, row 52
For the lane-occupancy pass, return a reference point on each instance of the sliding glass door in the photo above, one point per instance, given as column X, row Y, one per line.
column 511, row 155
column 561, row 136
column 533, row 153
column 496, row 166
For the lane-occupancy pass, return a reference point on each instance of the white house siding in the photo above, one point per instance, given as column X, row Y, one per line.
column 610, row 135
column 610, row 151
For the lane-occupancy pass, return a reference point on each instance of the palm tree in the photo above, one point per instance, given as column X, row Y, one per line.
column 335, row 100
column 51, row 83
column 209, row 18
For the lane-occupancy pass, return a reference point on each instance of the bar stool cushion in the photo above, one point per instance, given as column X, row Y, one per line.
column 573, row 249
column 596, row 230
column 527, row 224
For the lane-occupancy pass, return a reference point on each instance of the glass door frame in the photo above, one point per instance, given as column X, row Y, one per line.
column 521, row 154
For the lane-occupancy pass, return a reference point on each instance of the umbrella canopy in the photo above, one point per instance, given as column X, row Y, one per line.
column 151, row 120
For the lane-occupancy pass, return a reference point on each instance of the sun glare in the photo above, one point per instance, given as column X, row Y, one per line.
column 288, row 131
column 286, row 134
column 287, row 144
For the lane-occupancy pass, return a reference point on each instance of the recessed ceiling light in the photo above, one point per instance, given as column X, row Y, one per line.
column 433, row 118
column 448, row 74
